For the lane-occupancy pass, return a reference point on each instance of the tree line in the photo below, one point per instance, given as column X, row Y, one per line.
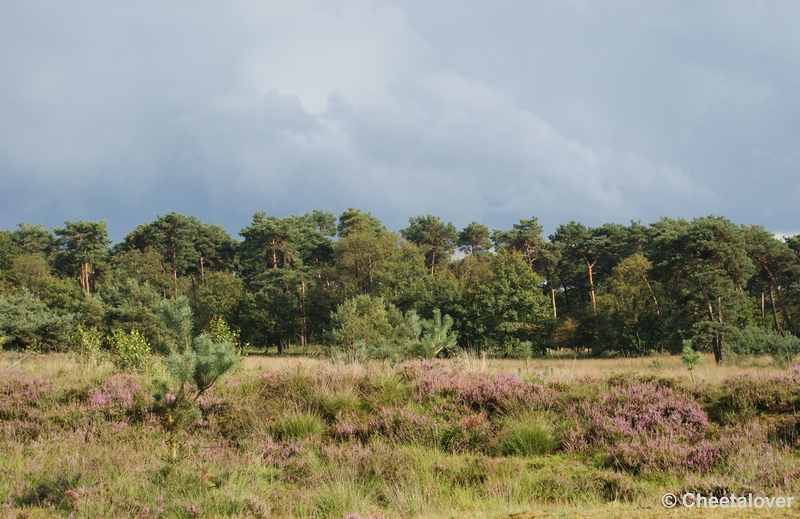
column 318, row 279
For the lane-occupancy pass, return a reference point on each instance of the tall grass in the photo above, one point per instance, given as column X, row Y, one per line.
column 467, row 437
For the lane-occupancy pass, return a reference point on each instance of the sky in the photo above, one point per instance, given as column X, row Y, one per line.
column 594, row 111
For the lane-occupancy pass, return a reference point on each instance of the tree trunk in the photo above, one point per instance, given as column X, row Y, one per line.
column 304, row 334
column 721, row 358
column 553, row 297
column 174, row 268
column 590, row 266
column 774, row 310
column 652, row 294
column 777, row 293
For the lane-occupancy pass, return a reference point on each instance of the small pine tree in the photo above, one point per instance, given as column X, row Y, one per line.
column 194, row 366
column 690, row 357
column 427, row 338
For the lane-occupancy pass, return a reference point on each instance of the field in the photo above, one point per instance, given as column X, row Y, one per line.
column 467, row 437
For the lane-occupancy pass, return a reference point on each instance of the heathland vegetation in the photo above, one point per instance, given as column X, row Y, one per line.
column 581, row 375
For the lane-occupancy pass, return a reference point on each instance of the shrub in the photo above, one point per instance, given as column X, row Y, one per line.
column 220, row 332
column 488, row 392
column 744, row 394
column 194, row 365
column 757, row 341
column 87, row 345
column 690, row 357
column 427, row 338
column 118, row 396
column 651, row 456
column 360, row 323
column 131, row 351
column 27, row 323
column 635, row 411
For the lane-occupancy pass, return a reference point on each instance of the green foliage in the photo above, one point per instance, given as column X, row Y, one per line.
column 474, row 238
column 615, row 289
column 27, row 323
column 131, row 305
column 757, row 341
column 176, row 315
column 362, row 322
column 526, row 438
column 219, row 331
column 7, row 250
column 131, row 351
column 629, row 314
column 354, row 221
column 525, row 237
column 194, row 365
column 702, row 263
column 217, row 297
column 282, row 258
column 34, row 239
column 426, row 338
column 33, row 272
column 433, row 236
column 690, row 357
column 298, row 426
column 83, row 245
column 87, row 345
column 508, row 305
column 145, row 266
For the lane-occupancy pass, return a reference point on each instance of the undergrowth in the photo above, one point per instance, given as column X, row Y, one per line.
column 422, row 439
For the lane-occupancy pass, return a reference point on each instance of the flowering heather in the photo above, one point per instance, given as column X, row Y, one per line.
column 17, row 389
column 286, row 456
column 476, row 391
column 403, row 424
column 643, row 455
column 117, row 394
column 636, row 410
column 472, row 433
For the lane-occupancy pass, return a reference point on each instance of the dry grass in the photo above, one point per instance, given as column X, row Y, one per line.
column 65, row 450
column 565, row 368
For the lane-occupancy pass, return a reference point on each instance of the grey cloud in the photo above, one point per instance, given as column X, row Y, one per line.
column 568, row 110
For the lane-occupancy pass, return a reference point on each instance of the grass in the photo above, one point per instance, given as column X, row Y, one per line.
column 297, row 437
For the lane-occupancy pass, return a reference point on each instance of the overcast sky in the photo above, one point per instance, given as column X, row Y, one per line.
column 492, row 111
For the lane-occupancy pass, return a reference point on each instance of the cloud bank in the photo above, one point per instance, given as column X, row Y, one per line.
column 564, row 111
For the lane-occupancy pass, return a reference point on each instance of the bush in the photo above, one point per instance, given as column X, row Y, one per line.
column 361, row 323
column 636, row 411
column 744, row 394
column 27, row 323
column 131, row 351
column 756, row 341
column 87, row 345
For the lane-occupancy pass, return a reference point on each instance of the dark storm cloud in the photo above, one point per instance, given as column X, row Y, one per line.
column 470, row 110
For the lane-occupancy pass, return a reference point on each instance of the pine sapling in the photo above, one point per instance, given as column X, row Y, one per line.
column 194, row 365
column 690, row 357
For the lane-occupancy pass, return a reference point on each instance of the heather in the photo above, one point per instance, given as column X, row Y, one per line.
column 417, row 439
